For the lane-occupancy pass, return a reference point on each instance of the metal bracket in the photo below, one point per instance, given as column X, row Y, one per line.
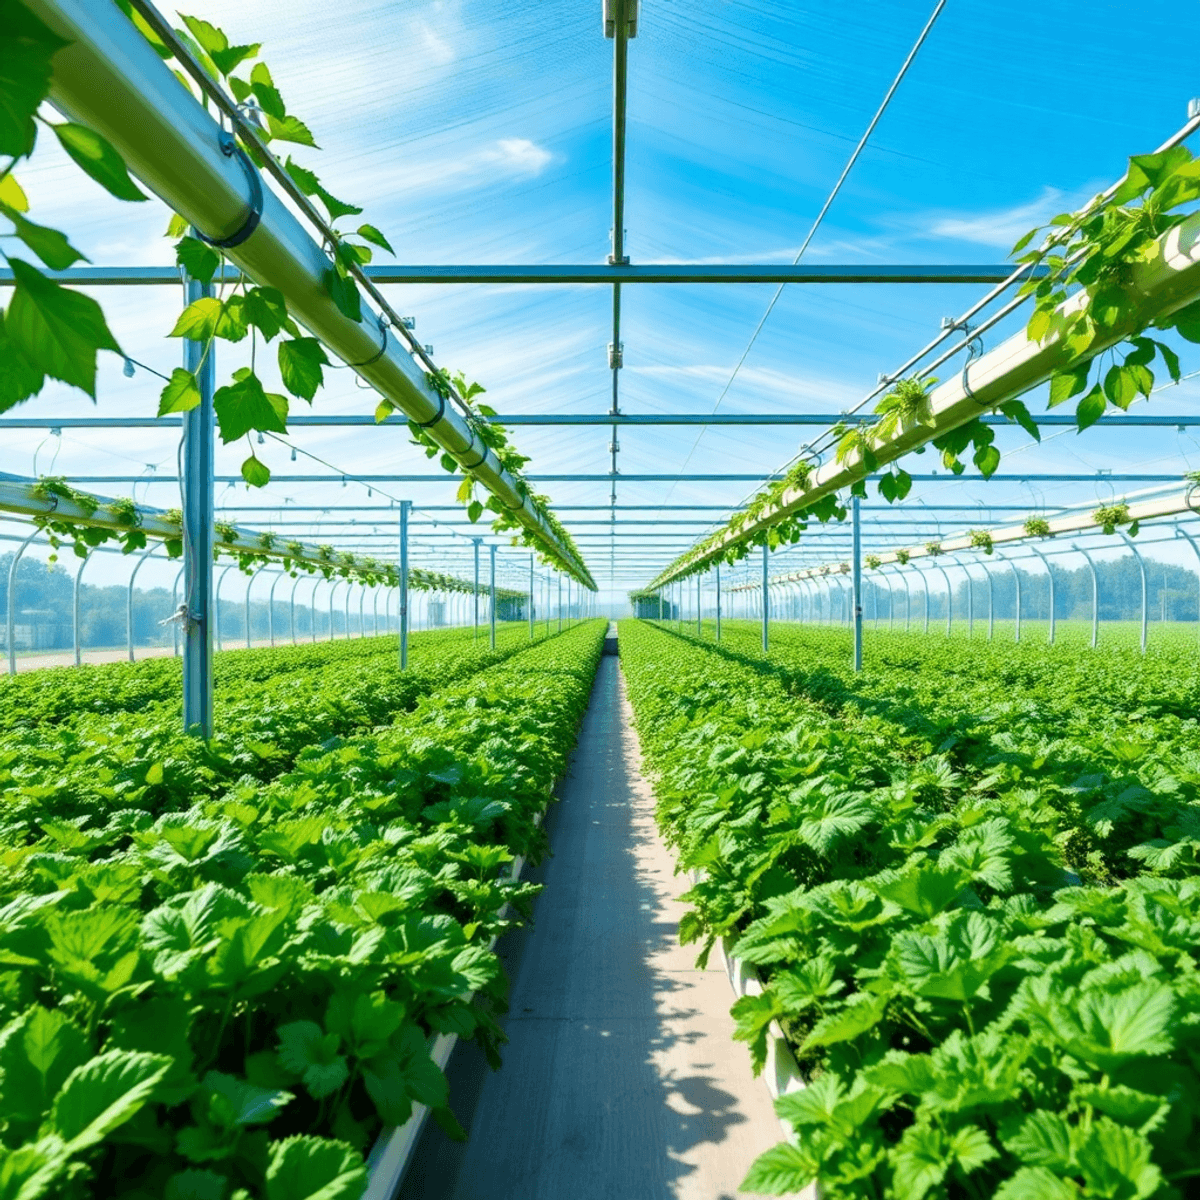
column 231, row 149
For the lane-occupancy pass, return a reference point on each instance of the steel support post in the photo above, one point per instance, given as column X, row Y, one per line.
column 1145, row 583
column 492, row 595
column 970, row 602
column 531, row 597
column 1050, row 577
column 198, row 612
column 333, row 592
column 925, row 597
column 559, row 595
column 856, row 580
column 477, row 542
column 766, row 604
column 949, row 599
column 1017, row 584
column 129, row 599
column 349, row 589
column 991, row 599
column 271, row 607
column 76, row 626
column 405, row 507
column 174, row 609
column 312, row 610
column 249, row 585
column 375, row 610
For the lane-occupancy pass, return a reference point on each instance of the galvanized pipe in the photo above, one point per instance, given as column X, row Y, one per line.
column 129, row 598
column 1145, row 583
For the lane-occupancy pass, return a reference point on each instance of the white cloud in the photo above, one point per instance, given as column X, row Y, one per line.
column 518, row 156
column 438, row 50
column 1001, row 227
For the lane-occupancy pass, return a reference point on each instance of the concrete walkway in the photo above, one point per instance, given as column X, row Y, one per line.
column 620, row 1079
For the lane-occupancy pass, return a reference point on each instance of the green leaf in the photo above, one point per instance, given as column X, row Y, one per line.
column 99, row 159
column 310, row 1168
column 266, row 309
column 1187, row 322
column 28, row 1172
column 1065, row 384
column 199, row 260
column 38, row 1050
column 344, row 292
column 19, row 378
column 1015, row 410
column 474, row 511
column 234, row 1103
column 1121, row 385
column 1091, row 408
column 244, row 405
column 12, row 195
column 313, row 1055
column 291, row 129
column 180, row 394
column 232, row 57
column 370, row 234
column 25, row 71
column 781, row 1170
column 310, row 185
column 860, row 1013
column 1036, row 1183
column 1116, row 1161
column 987, row 459
column 255, row 472
column 300, row 363
column 208, row 317
column 103, row 1094
column 51, row 246
column 1171, row 359
column 56, row 330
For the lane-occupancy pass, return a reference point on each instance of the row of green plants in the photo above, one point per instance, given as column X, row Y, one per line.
column 230, row 995
column 974, row 909
column 260, row 727
column 61, row 695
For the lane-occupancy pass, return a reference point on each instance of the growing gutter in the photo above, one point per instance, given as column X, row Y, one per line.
column 110, row 79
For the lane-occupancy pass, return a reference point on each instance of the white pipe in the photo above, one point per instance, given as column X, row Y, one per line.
column 110, row 79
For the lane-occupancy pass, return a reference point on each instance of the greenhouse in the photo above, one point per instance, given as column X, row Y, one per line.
column 599, row 601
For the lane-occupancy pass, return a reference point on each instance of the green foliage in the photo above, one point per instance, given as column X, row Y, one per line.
column 1038, row 527
column 970, row 893
column 1110, row 516
column 235, row 956
column 981, row 539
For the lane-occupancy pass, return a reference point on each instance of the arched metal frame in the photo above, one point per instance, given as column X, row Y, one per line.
column 12, row 608
column 312, row 608
column 1095, row 594
column 1181, row 532
column 292, row 613
column 1017, row 583
column 76, row 624
column 1050, row 578
column 271, row 606
column 987, row 574
column 1141, row 562
column 137, row 566
column 249, row 584
column 217, row 604
column 332, row 592
column 174, row 610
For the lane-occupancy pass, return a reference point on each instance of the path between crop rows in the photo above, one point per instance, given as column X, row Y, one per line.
column 620, row 1078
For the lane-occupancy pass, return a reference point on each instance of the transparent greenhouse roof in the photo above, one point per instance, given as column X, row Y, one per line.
column 482, row 134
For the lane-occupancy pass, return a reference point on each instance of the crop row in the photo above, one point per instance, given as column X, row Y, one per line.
column 228, row 995
column 973, row 1018
column 61, row 695
column 65, row 770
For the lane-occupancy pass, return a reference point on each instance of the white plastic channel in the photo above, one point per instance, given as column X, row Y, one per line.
column 1146, row 510
column 110, row 79
column 393, row 1150
column 1164, row 284
column 780, row 1074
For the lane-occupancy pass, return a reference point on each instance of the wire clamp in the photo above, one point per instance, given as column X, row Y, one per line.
column 231, row 149
column 383, row 328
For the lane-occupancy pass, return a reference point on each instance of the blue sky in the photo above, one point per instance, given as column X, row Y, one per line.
column 481, row 133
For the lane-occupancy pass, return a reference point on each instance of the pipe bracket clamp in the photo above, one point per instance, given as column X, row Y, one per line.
column 441, row 412
column 230, row 149
column 378, row 353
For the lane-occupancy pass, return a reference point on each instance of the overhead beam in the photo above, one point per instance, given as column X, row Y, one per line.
column 590, row 273
column 1094, row 477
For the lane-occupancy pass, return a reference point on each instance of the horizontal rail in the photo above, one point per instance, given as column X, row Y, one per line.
column 585, row 273
column 620, row 477
column 352, row 420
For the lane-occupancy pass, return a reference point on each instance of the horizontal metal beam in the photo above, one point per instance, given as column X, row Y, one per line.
column 587, row 273
column 606, row 477
column 354, row 420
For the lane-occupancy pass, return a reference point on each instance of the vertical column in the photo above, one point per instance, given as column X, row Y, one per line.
column 405, row 508
column 560, row 603
column 531, row 597
column 856, row 577
column 477, row 541
column 766, row 603
column 492, row 589
column 197, row 607
column 699, row 629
